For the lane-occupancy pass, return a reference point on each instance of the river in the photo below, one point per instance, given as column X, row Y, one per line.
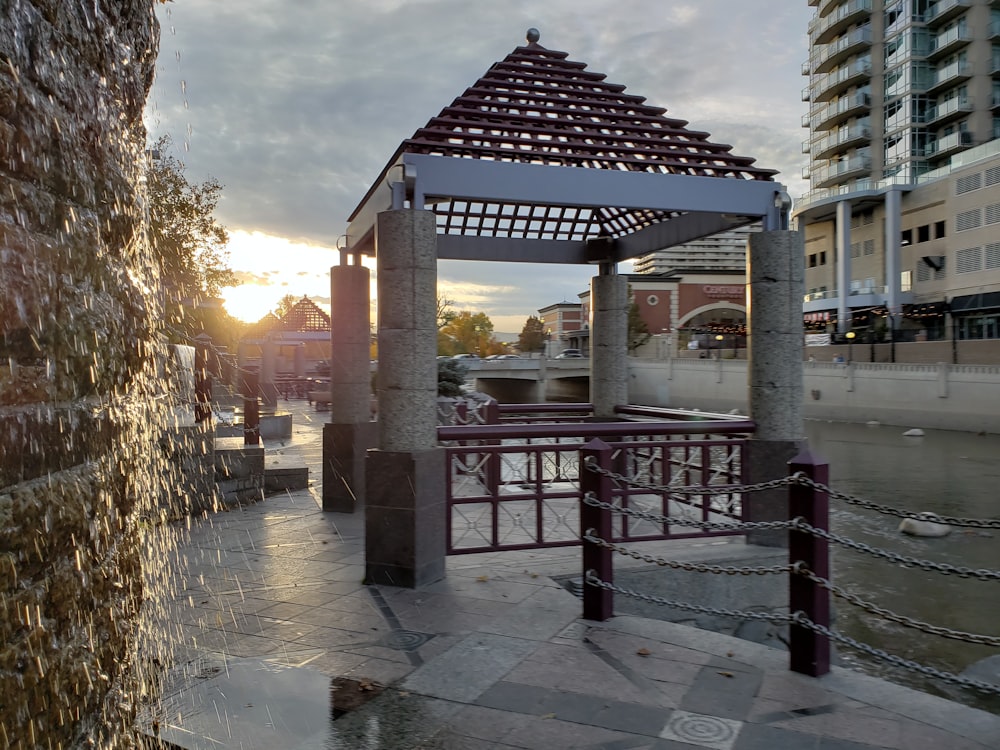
column 944, row 472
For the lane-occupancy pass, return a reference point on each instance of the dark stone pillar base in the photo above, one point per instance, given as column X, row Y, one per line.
column 767, row 460
column 344, row 449
column 405, row 517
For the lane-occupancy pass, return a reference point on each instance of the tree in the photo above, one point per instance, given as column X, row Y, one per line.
column 285, row 304
column 532, row 337
column 445, row 313
column 451, row 377
column 185, row 236
column 466, row 333
column 638, row 331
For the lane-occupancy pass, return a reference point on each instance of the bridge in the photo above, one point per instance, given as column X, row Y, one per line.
column 513, row 381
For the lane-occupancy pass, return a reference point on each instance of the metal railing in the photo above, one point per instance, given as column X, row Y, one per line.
column 517, row 485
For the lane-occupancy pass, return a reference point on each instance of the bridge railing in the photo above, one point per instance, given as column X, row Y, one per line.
column 513, row 486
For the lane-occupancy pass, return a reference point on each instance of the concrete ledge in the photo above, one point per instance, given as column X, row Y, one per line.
column 284, row 473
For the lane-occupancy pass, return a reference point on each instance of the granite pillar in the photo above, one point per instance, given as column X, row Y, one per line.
column 350, row 432
column 404, row 505
column 609, row 343
column 843, row 252
column 776, row 275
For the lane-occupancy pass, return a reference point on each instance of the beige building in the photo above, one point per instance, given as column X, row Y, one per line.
column 904, row 205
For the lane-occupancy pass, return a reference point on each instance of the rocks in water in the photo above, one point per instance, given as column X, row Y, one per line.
column 915, row 432
column 926, row 524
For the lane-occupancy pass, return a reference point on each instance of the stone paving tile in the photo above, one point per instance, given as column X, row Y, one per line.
column 847, row 725
column 722, row 691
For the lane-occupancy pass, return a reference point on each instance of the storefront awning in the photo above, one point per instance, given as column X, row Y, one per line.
column 971, row 302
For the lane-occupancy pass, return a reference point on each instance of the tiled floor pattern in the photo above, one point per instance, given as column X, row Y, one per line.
column 270, row 595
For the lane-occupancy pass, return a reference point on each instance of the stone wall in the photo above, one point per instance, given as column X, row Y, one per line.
column 78, row 424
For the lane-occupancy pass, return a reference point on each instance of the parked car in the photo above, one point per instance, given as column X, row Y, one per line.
column 508, row 356
column 569, row 354
column 466, row 356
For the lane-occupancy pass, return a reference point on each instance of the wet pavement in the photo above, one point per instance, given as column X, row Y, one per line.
column 282, row 646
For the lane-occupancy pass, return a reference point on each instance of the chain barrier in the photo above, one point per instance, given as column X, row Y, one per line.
column 935, row 567
column 777, row 618
column 796, row 478
column 691, row 489
column 690, row 567
column 590, row 499
column 888, row 614
column 975, row 523
column 799, row 618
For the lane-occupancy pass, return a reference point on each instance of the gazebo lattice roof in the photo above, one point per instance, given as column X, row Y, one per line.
column 541, row 158
column 305, row 315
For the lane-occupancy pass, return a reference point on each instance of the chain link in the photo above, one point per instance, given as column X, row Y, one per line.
column 678, row 565
column 935, row 567
column 888, row 614
column 774, row 617
column 800, row 619
column 976, row 523
column 690, row 489
column 590, row 499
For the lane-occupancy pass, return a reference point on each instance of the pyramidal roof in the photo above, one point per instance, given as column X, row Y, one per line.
column 305, row 315
column 537, row 106
column 542, row 160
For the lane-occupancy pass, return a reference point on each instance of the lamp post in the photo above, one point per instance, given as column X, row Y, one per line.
column 718, row 345
column 850, row 341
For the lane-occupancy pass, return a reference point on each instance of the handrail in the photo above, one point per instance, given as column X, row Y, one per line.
column 545, row 408
column 594, row 429
column 678, row 414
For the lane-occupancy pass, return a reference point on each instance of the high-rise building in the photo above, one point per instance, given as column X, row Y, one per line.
column 720, row 252
column 904, row 168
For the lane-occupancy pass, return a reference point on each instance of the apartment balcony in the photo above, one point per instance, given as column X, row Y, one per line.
column 869, row 296
column 825, row 7
column 995, row 105
column 948, row 43
column 840, row 171
column 806, row 94
column 824, row 29
column 943, row 147
column 840, row 141
column 833, row 84
column 841, row 110
column 945, row 10
column 948, row 110
column 994, row 33
column 950, row 75
column 829, row 56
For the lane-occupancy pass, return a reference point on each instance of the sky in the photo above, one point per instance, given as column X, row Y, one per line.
column 295, row 107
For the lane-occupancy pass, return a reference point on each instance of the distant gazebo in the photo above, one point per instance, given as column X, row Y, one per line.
column 540, row 161
column 300, row 339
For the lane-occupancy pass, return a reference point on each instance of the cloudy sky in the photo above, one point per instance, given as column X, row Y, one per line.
column 295, row 107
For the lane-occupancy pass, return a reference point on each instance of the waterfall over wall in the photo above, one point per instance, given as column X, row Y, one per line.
column 79, row 406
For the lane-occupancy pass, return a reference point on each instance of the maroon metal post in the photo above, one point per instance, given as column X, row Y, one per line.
column 491, row 415
column 810, row 651
column 598, row 603
column 251, row 421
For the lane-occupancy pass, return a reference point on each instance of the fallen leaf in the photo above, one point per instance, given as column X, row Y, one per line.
column 547, row 716
column 726, row 674
column 644, row 652
column 729, row 653
column 483, row 579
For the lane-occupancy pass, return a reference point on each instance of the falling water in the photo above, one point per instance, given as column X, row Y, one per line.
column 92, row 452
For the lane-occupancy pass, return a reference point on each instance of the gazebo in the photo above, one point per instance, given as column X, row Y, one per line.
column 541, row 161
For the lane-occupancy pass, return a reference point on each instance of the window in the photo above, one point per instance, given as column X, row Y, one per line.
column 993, row 255
column 812, row 260
column 869, row 247
column 924, row 233
column 822, row 257
column 993, row 213
column 938, row 230
column 906, row 237
column 906, row 281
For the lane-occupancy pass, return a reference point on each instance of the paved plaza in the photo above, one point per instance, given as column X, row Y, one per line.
column 282, row 646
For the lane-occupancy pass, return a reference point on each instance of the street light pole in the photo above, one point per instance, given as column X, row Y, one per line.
column 718, row 345
column 850, row 344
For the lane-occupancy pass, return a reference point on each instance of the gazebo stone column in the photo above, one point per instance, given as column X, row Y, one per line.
column 405, row 476
column 609, row 343
column 350, row 431
column 776, row 274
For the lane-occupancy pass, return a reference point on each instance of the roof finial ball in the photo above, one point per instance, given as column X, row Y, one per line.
column 533, row 36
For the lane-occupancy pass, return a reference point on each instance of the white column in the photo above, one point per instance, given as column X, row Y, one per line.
column 843, row 221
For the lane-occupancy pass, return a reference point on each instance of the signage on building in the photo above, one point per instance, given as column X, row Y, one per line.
column 722, row 292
